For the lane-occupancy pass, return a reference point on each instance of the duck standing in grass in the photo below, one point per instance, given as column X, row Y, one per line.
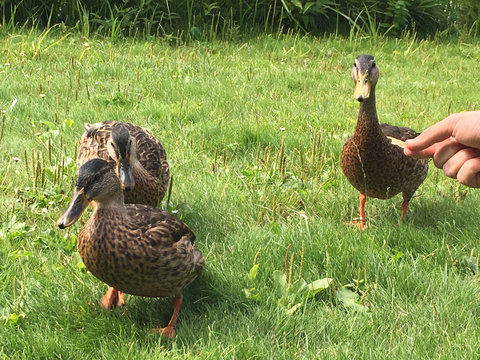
column 138, row 157
column 136, row 249
column 372, row 159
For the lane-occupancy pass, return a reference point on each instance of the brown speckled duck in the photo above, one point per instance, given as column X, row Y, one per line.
column 138, row 157
column 372, row 159
column 136, row 249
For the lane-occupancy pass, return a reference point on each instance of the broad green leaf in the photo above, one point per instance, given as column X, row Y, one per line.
column 49, row 173
column 397, row 256
column 308, row 5
column 80, row 265
column 251, row 294
column 17, row 254
column 298, row 287
column 252, row 274
column 350, row 300
column 17, row 226
column 280, row 280
column 49, row 124
column 472, row 263
column 297, row 3
column 319, row 285
column 294, row 308
column 13, row 318
column 52, row 133
column 68, row 123
column 248, row 173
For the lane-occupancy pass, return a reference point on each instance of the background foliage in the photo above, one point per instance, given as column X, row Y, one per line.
column 208, row 18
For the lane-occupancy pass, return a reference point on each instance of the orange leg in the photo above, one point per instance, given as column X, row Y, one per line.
column 112, row 298
column 361, row 223
column 404, row 208
column 169, row 330
column 363, row 200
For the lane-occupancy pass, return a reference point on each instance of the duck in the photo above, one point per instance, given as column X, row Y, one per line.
column 139, row 159
column 372, row 158
column 134, row 248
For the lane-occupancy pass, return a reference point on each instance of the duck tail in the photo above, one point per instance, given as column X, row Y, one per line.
column 198, row 260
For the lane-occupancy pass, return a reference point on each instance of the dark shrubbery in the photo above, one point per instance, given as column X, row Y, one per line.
column 190, row 18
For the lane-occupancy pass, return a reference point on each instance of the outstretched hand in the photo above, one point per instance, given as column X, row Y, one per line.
column 454, row 145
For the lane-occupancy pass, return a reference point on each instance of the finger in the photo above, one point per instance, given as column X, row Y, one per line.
column 420, row 154
column 469, row 173
column 435, row 133
column 444, row 151
column 453, row 165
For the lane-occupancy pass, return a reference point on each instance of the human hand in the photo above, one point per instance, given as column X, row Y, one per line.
column 454, row 145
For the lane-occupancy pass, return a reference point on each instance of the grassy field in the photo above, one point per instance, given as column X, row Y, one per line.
column 253, row 131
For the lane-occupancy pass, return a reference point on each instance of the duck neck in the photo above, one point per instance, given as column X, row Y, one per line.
column 141, row 175
column 115, row 203
column 367, row 123
column 137, row 166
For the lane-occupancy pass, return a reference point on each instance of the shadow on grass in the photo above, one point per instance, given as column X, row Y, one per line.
column 203, row 300
column 430, row 213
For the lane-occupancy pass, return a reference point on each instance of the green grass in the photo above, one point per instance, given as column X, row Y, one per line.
column 253, row 131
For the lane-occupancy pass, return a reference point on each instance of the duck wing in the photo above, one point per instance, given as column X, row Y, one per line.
column 150, row 151
column 156, row 251
column 159, row 224
column 398, row 132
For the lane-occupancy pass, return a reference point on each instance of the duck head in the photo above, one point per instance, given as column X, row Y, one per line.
column 96, row 181
column 123, row 149
column 365, row 76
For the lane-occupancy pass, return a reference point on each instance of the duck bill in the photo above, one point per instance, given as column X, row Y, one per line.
column 78, row 204
column 362, row 87
column 126, row 176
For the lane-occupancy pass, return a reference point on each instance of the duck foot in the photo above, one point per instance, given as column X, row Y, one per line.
column 112, row 298
column 360, row 224
column 169, row 330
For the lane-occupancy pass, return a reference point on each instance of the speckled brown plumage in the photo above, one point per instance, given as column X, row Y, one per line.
column 370, row 161
column 151, row 172
column 136, row 249
column 140, row 250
